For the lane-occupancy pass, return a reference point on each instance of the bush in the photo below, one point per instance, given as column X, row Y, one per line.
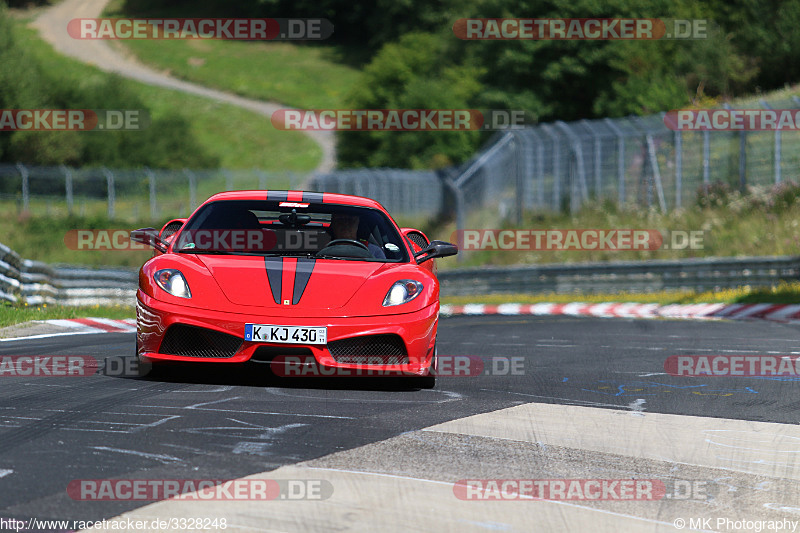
column 713, row 195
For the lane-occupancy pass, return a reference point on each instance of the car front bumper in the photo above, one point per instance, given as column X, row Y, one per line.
column 416, row 329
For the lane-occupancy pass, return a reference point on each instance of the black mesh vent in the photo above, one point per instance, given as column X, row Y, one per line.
column 370, row 350
column 191, row 341
column 171, row 229
column 418, row 239
column 268, row 353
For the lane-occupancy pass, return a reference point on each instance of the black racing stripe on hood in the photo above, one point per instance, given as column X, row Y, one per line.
column 277, row 196
column 275, row 276
column 312, row 197
column 302, row 274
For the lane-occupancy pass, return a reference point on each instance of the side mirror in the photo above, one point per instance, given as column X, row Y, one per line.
column 149, row 236
column 435, row 249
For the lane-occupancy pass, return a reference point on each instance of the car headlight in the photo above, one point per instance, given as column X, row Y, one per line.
column 402, row 291
column 173, row 282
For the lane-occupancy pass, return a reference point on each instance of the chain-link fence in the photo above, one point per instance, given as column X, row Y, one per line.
column 135, row 194
column 154, row 194
column 634, row 160
column 406, row 193
column 557, row 167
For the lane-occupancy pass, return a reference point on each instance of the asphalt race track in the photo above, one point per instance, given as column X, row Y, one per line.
column 227, row 422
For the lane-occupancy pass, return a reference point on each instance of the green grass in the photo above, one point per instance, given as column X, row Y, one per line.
column 241, row 139
column 295, row 75
column 12, row 314
column 42, row 239
column 784, row 293
column 727, row 232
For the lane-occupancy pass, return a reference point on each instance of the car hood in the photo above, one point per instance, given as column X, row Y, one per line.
column 289, row 282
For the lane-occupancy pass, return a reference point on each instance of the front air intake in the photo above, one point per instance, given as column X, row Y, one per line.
column 192, row 341
column 386, row 349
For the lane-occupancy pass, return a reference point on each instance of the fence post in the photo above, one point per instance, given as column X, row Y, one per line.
column 598, row 174
column 706, row 158
column 620, row 158
column 459, row 198
column 742, row 156
column 228, row 179
column 68, row 186
column 111, row 194
column 651, row 151
column 26, row 191
column 777, row 149
column 192, row 189
column 539, row 166
column 519, row 185
column 556, row 168
column 577, row 149
column 151, row 178
column 678, row 169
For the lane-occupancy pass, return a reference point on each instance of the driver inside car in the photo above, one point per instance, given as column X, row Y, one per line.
column 345, row 226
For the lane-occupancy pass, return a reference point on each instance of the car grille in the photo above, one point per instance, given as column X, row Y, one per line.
column 171, row 229
column 191, row 341
column 370, row 350
column 418, row 239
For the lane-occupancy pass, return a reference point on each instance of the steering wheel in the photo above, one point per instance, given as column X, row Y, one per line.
column 352, row 242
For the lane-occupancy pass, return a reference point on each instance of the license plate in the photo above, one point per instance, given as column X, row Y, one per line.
column 285, row 334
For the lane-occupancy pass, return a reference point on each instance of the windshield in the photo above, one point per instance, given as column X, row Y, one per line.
column 274, row 228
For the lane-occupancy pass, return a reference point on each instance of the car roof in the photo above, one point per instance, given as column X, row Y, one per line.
column 297, row 196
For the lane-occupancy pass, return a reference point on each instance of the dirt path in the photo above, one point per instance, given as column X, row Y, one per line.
column 52, row 24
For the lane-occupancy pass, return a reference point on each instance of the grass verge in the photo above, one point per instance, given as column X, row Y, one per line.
column 13, row 314
column 727, row 231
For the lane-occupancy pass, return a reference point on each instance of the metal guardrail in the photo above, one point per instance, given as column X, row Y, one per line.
column 644, row 276
column 35, row 283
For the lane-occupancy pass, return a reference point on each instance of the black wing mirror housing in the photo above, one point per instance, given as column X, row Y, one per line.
column 149, row 236
column 435, row 249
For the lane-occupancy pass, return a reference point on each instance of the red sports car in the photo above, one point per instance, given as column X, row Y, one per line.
column 314, row 283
